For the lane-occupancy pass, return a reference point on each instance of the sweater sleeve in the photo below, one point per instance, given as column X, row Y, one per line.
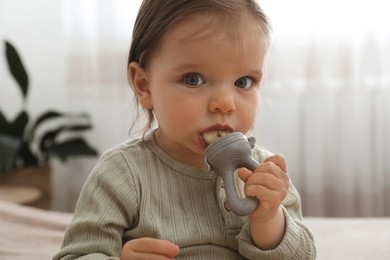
column 297, row 243
column 106, row 206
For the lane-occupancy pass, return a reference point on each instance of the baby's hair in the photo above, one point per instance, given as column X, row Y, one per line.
column 156, row 17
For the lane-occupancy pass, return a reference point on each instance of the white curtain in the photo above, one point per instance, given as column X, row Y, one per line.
column 327, row 108
column 325, row 98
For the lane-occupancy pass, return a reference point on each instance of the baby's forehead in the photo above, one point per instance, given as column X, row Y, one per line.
column 201, row 43
column 208, row 26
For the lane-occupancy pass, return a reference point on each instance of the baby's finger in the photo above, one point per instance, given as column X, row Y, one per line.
column 278, row 160
column 244, row 174
column 145, row 256
column 157, row 246
column 151, row 246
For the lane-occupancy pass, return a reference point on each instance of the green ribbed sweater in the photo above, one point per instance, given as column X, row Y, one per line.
column 137, row 190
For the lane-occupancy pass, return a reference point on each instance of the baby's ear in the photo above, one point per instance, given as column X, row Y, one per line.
column 140, row 83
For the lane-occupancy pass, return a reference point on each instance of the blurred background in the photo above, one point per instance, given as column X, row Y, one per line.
column 325, row 99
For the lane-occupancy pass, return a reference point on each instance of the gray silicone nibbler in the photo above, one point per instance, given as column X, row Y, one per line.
column 225, row 156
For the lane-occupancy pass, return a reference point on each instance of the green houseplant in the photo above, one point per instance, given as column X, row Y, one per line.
column 19, row 136
column 27, row 145
column 27, row 142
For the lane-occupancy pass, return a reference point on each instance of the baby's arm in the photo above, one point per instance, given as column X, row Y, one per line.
column 269, row 184
column 106, row 208
column 289, row 237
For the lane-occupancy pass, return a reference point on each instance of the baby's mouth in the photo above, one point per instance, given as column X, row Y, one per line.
column 213, row 135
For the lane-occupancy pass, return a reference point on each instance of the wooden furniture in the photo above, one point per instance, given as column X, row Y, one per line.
column 30, row 187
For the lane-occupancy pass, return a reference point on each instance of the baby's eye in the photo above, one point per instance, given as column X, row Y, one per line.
column 244, row 82
column 193, row 80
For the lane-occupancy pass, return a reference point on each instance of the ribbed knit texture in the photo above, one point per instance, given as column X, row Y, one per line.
column 137, row 190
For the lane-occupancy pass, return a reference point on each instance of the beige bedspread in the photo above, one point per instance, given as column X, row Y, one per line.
column 28, row 233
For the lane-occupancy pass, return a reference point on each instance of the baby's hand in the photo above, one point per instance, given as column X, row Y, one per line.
column 149, row 248
column 269, row 184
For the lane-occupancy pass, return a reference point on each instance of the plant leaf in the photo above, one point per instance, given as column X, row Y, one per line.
column 44, row 117
column 19, row 125
column 16, row 68
column 48, row 139
column 73, row 147
column 49, row 116
column 4, row 125
column 15, row 128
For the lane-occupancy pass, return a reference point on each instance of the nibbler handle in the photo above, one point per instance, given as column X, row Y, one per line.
column 225, row 156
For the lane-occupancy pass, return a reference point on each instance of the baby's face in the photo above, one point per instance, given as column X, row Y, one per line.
column 204, row 80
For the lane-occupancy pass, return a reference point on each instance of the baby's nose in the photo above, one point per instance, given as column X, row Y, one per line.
column 222, row 100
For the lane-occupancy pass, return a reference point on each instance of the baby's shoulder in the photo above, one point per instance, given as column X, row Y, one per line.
column 126, row 154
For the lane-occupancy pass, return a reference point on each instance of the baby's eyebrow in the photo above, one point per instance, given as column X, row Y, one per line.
column 257, row 72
